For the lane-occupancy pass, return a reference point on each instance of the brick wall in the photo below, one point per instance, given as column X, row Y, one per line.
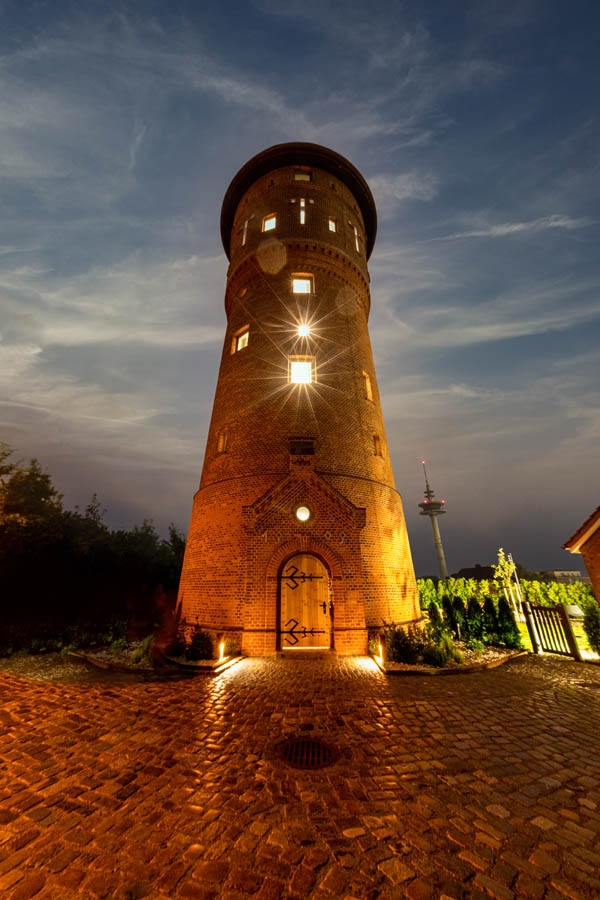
column 591, row 557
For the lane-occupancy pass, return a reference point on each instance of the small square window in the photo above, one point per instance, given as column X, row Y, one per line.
column 332, row 224
column 269, row 222
column 240, row 339
column 302, row 284
column 301, row 446
column 302, row 176
column 302, row 369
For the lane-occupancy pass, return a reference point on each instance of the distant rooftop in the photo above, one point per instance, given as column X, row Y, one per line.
column 583, row 533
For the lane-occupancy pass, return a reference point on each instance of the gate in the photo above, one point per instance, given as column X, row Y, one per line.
column 550, row 630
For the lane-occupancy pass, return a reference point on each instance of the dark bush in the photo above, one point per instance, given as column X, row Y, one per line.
column 45, row 636
column 201, row 646
column 175, row 648
column 591, row 625
column 473, row 621
column 460, row 615
column 508, row 632
column 449, row 614
column 436, row 625
column 434, row 655
column 439, row 653
column 414, row 646
column 403, row 646
column 65, row 566
column 475, row 644
column 490, row 621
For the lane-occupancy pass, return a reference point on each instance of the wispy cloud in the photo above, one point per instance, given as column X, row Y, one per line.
column 390, row 190
column 429, row 299
column 137, row 300
column 507, row 228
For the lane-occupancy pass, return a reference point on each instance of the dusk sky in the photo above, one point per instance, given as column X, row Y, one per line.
column 477, row 127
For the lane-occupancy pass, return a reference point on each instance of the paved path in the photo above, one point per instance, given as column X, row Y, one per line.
column 464, row 786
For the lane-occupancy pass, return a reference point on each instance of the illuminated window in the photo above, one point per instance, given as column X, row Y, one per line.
column 303, row 330
column 301, row 369
column 303, row 283
column 269, row 222
column 302, row 176
column 356, row 237
column 368, row 391
column 222, row 441
column 240, row 339
column 377, row 445
column 303, row 513
column 332, row 224
column 302, row 211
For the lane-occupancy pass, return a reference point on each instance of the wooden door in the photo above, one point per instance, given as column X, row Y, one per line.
column 305, row 603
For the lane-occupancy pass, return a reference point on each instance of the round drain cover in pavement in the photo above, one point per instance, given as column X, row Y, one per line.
column 308, row 753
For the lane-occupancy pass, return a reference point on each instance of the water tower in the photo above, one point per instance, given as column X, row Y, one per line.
column 297, row 538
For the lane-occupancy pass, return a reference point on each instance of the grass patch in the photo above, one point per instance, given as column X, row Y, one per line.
column 527, row 645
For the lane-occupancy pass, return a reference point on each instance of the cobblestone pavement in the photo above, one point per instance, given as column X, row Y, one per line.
column 478, row 786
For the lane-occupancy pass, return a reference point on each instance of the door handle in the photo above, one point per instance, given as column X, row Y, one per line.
column 324, row 605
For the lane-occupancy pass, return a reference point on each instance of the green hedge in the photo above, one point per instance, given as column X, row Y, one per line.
column 539, row 592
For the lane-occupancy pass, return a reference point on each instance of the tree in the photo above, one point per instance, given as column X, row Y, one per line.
column 474, row 620
column 28, row 495
column 64, row 569
column 490, row 621
column 483, row 589
column 525, row 574
column 459, row 587
column 460, row 613
column 508, row 632
column 427, row 592
column 6, row 468
column 442, row 590
column 436, row 626
column 449, row 614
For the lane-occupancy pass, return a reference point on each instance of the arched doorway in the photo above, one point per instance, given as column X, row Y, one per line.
column 306, row 605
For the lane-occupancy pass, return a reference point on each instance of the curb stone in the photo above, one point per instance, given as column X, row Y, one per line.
column 455, row 670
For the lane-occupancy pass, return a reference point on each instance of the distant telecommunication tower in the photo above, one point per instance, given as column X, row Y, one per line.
column 433, row 509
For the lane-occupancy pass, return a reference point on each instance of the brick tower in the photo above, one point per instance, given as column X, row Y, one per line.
column 297, row 536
